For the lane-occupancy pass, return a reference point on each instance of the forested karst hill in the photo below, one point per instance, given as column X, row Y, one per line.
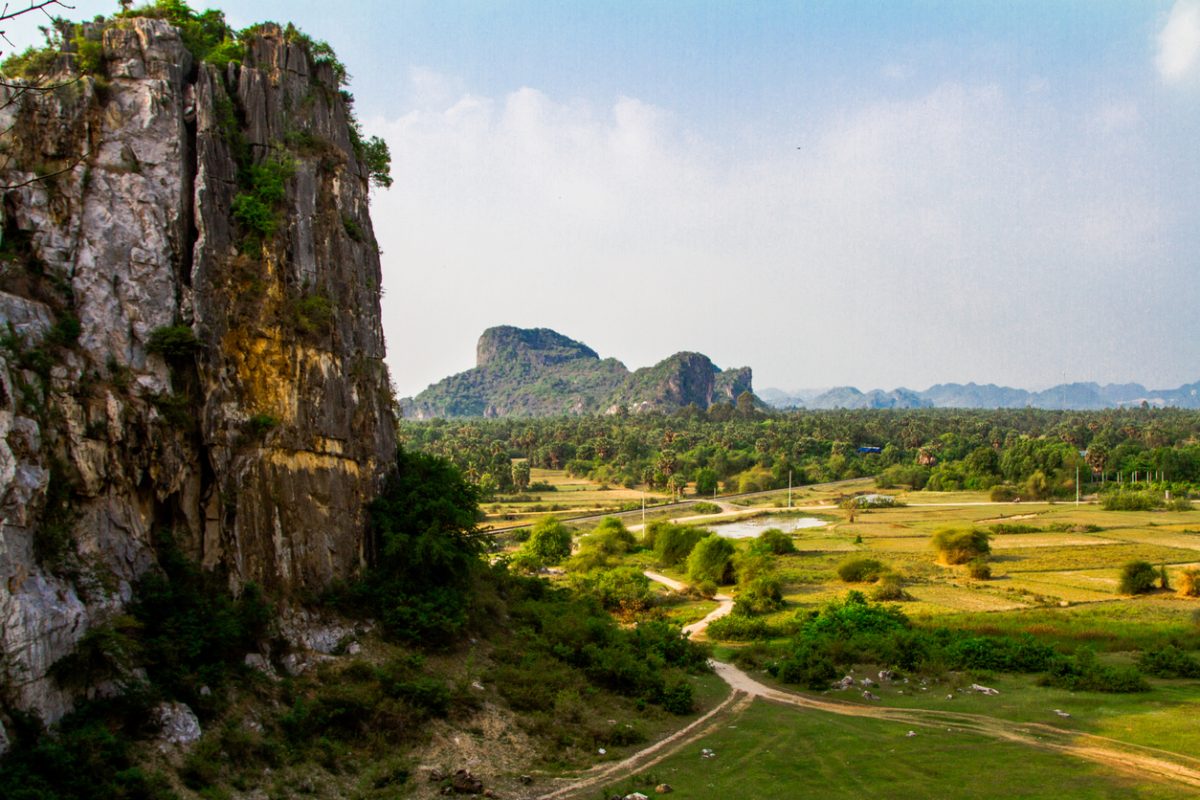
column 538, row 372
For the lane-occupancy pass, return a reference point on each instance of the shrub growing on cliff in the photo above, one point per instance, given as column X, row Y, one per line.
column 422, row 550
column 173, row 342
column 194, row 633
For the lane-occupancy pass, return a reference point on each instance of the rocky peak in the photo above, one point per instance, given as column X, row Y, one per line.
column 506, row 345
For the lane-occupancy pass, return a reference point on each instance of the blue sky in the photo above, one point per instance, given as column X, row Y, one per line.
column 878, row 194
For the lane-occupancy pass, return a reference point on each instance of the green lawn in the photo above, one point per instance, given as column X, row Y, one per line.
column 771, row 752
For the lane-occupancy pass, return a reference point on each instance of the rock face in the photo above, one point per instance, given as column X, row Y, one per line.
column 539, row 372
column 163, row 369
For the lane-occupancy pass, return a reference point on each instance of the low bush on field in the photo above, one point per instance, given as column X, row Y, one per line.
column 890, row 587
column 1189, row 582
column 979, row 569
column 1130, row 501
column 1082, row 672
column 860, row 570
column 1168, row 661
column 671, row 543
column 960, row 545
column 1138, row 577
column 774, row 542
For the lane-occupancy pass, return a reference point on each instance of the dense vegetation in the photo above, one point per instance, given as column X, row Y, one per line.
column 1022, row 453
column 557, row 655
column 855, row 630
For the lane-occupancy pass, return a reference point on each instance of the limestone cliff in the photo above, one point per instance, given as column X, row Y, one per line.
column 174, row 356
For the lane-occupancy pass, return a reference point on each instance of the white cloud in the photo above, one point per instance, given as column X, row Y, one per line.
column 956, row 235
column 1179, row 42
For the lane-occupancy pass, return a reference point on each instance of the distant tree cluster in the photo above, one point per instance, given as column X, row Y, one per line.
column 1027, row 453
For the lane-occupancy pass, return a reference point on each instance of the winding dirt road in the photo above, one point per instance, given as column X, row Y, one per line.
column 1144, row 762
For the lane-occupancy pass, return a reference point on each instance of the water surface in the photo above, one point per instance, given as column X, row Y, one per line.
column 750, row 528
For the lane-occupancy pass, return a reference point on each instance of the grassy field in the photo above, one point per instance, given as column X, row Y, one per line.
column 567, row 497
column 1055, row 577
column 770, row 752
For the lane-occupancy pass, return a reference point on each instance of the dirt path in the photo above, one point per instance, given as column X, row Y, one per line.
column 724, row 607
column 1145, row 762
column 603, row 774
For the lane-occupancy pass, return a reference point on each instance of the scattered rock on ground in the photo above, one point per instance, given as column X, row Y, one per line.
column 463, row 782
column 177, row 724
column 975, row 687
column 886, row 675
column 867, row 682
column 1061, row 713
column 844, row 683
column 910, row 734
column 707, row 753
column 663, row 788
column 869, row 696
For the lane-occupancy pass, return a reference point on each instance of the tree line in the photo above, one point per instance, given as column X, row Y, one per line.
column 1034, row 452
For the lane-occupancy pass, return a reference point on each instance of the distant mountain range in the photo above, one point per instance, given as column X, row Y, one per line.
column 1077, row 396
column 538, row 372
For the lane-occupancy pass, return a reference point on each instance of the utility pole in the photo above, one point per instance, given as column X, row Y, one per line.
column 1076, row 484
column 643, row 513
column 789, row 488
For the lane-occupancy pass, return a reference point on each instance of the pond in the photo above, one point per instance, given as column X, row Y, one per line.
column 750, row 528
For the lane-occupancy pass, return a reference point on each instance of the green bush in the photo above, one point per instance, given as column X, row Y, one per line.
column 860, row 570
column 1189, row 582
column 741, row 628
column 704, row 507
column 1084, row 673
column 806, row 664
column 1126, row 500
column 672, row 543
column 890, row 587
column 377, row 159
column 313, row 313
column 711, row 560
column 256, row 207
column 422, row 552
column 173, row 342
column 1138, row 577
column 549, row 542
column 1168, row 661
column 979, row 569
column 773, row 541
column 261, row 424
column 87, row 757
column 66, row 330
column 194, row 633
column 898, row 475
column 1003, row 493
column 759, row 596
column 960, row 545
column 624, row 589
